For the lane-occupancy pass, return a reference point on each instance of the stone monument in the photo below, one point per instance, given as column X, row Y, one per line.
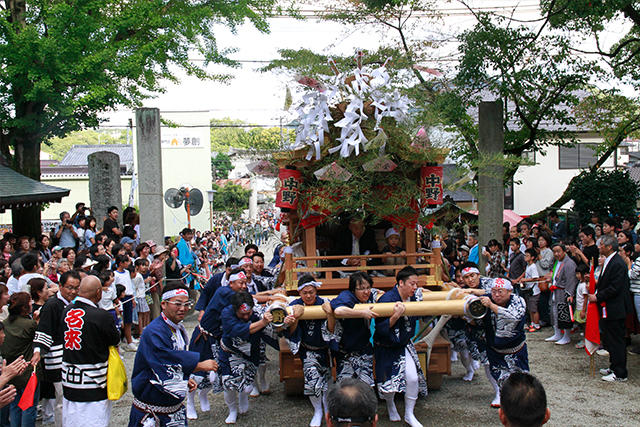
column 150, row 175
column 490, row 174
column 104, row 184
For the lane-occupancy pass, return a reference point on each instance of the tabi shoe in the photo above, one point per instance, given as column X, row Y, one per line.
column 495, row 403
column 605, row 371
column 204, row 400
column 555, row 337
column 243, row 403
column 612, row 378
column 191, row 406
column 254, row 391
column 566, row 339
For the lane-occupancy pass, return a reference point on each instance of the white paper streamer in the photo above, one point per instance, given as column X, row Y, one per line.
column 367, row 85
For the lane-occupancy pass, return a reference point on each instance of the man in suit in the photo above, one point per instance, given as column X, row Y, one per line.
column 614, row 302
column 356, row 240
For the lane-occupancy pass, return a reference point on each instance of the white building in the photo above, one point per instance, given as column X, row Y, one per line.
column 540, row 184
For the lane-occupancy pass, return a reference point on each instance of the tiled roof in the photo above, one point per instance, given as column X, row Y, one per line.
column 78, row 154
column 17, row 190
column 634, row 172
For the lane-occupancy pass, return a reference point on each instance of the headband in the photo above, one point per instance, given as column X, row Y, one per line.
column 312, row 283
column 244, row 308
column 237, row 276
column 469, row 270
column 500, row 283
column 391, row 232
column 174, row 293
column 244, row 261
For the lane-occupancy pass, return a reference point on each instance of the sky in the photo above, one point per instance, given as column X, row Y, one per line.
column 258, row 98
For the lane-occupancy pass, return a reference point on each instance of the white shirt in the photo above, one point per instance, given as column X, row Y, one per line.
column 24, row 280
column 606, row 261
column 580, row 291
column 530, row 273
column 106, row 303
column 138, row 286
column 124, row 279
column 13, row 285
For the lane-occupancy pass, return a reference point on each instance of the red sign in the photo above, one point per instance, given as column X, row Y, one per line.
column 431, row 182
column 289, row 181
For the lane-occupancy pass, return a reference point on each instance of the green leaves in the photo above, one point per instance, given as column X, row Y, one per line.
column 604, row 192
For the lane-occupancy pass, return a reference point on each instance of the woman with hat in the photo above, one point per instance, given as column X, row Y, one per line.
column 239, row 352
column 306, row 339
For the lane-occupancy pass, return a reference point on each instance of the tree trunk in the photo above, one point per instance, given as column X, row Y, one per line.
column 26, row 160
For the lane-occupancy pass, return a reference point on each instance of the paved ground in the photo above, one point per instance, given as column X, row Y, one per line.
column 575, row 398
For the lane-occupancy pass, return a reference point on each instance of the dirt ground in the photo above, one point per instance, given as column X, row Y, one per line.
column 574, row 396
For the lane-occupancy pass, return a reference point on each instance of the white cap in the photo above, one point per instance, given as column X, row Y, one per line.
column 391, row 232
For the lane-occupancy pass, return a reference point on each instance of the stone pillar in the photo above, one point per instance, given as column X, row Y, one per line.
column 490, row 174
column 104, row 184
column 150, row 174
column 253, row 200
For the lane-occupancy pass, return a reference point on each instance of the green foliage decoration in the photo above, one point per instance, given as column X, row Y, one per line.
column 604, row 193
column 231, row 198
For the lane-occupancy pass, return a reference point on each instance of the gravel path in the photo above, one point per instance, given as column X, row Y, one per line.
column 575, row 398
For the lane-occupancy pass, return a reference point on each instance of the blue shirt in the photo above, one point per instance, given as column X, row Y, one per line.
column 356, row 333
column 473, row 254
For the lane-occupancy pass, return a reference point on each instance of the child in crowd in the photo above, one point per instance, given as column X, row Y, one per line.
column 140, row 287
column 530, row 289
column 392, row 237
column 120, row 292
column 582, row 292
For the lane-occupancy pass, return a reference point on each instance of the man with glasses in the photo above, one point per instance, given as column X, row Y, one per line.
column 49, row 338
column 160, row 379
column 397, row 365
column 506, row 340
column 352, row 331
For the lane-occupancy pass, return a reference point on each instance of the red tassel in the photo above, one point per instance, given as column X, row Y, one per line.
column 26, row 400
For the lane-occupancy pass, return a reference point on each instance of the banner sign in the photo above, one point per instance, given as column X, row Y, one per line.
column 289, row 181
column 431, row 182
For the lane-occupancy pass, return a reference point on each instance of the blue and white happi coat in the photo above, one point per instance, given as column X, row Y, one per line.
column 390, row 344
column 352, row 341
column 506, row 340
column 239, row 353
column 160, row 376
column 311, row 342
column 205, row 338
column 475, row 333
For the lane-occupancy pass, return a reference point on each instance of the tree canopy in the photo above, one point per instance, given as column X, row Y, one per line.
column 57, row 147
column 64, row 63
column 227, row 132
column 231, row 198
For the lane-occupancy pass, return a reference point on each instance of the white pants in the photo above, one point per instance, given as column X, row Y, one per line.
column 411, row 376
column 57, row 411
column 81, row 414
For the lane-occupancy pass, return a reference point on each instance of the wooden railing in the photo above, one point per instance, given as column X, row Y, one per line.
column 330, row 275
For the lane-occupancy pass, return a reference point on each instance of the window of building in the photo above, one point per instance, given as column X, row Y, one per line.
column 529, row 157
column 579, row 156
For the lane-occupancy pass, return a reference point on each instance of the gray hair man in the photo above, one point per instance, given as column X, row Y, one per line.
column 351, row 402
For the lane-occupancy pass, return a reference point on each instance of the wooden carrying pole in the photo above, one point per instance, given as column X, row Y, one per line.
column 469, row 306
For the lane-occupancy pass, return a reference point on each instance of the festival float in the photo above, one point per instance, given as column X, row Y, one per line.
column 355, row 156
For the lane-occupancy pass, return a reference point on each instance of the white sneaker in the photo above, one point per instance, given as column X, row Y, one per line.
column 602, row 352
column 605, row 371
column 495, row 403
column 612, row 378
column 131, row 347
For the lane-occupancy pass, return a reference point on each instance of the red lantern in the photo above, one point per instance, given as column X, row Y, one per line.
column 431, row 182
column 289, row 181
